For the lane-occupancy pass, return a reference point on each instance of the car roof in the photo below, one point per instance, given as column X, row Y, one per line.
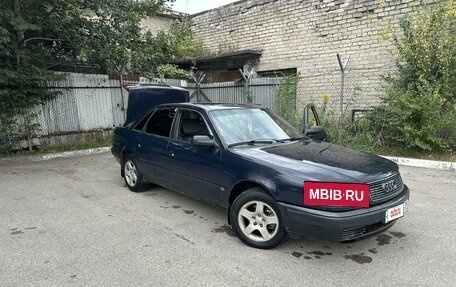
column 214, row 106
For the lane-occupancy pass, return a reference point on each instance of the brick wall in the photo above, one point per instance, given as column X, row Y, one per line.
column 307, row 35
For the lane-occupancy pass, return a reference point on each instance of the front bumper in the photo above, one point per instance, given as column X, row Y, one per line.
column 339, row 226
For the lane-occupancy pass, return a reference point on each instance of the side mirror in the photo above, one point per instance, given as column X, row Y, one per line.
column 312, row 126
column 203, row 141
column 316, row 133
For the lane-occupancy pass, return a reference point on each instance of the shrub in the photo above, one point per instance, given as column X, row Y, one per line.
column 420, row 102
column 285, row 100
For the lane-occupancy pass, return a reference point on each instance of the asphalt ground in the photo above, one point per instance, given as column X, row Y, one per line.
column 73, row 222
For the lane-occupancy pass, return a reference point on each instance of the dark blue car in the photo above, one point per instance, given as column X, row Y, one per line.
column 274, row 181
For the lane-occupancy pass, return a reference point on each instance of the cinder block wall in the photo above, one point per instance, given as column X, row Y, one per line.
column 307, row 35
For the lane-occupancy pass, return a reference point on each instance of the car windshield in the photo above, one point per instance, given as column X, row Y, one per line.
column 250, row 125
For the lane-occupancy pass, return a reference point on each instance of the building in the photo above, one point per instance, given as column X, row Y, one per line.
column 303, row 37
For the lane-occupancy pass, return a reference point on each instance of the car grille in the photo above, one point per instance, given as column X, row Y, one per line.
column 386, row 188
column 354, row 233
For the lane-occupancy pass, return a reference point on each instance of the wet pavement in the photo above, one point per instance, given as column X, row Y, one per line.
column 73, row 222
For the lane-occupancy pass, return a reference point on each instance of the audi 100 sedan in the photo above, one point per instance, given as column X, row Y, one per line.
column 274, row 181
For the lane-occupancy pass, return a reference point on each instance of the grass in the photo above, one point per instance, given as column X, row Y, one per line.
column 366, row 146
column 395, row 151
column 61, row 148
column 363, row 144
column 362, row 140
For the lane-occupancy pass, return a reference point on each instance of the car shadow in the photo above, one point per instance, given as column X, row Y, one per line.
column 361, row 252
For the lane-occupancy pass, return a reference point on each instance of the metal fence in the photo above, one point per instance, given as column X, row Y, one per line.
column 260, row 91
column 362, row 90
column 90, row 102
column 87, row 102
column 93, row 103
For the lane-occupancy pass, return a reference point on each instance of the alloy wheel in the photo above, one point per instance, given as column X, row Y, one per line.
column 258, row 221
column 131, row 173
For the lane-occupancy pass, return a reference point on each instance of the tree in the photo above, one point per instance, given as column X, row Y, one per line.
column 162, row 51
column 22, row 70
column 34, row 33
column 110, row 33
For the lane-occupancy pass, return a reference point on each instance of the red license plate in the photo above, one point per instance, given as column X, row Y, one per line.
column 336, row 194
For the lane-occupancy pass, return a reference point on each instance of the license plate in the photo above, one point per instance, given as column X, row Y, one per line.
column 394, row 213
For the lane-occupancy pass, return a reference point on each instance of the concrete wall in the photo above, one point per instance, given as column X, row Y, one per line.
column 307, row 35
column 161, row 21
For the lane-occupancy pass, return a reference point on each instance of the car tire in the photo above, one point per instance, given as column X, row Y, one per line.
column 256, row 219
column 132, row 175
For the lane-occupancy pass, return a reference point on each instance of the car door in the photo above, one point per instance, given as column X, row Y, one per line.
column 194, row 170
column 312, row 126
column 152, row 145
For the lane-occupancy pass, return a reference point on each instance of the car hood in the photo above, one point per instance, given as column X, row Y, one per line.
column 323, row 161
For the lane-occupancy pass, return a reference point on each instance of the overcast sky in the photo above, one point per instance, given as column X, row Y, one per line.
column 195, row 6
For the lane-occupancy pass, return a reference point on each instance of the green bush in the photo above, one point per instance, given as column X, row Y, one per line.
column 355, row 134
column 420, row 102
column 413, row 120
column 285, row 100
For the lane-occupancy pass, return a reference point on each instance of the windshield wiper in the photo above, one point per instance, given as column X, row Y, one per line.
column 253, row 142
column 294, row 139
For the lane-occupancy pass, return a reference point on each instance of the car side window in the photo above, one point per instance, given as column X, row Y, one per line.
column 139, row 126
column 191, row 124
column 160, row 122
